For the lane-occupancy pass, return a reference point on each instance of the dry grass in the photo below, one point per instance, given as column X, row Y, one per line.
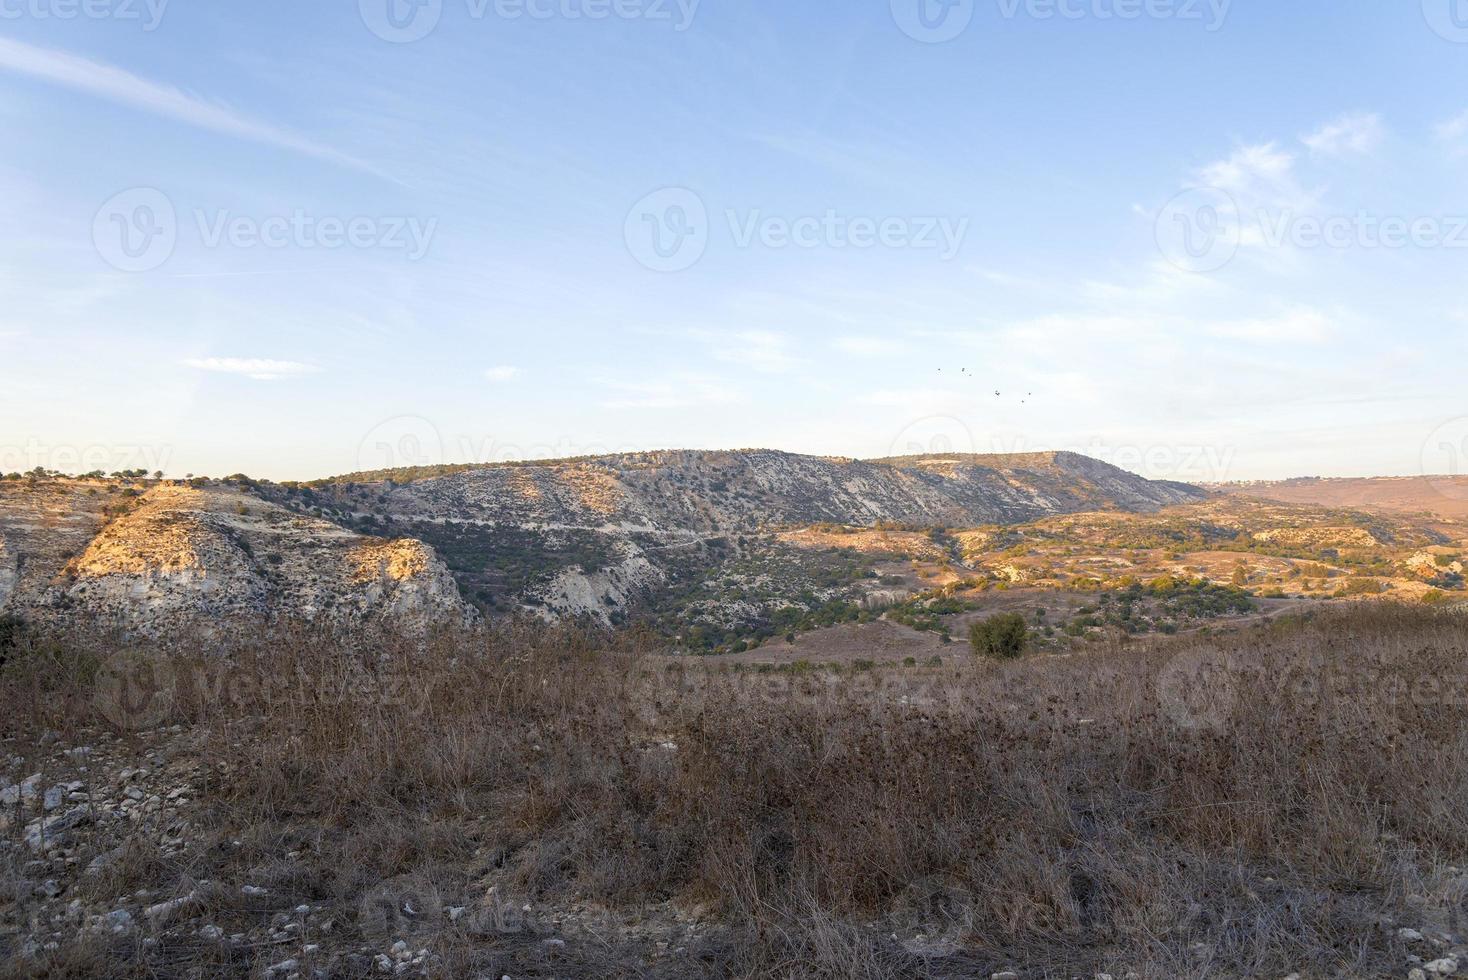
column 1272, row 803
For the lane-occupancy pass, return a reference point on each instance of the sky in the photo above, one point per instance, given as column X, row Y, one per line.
column 1202, row 239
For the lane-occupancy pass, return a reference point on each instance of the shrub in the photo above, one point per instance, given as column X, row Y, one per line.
column 1002, row 637
column 11, row 628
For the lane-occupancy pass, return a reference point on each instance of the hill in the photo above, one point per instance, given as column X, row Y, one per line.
column 1442, row 496
column 602, row 537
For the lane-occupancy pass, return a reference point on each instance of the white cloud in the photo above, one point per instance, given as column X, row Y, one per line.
column 1454, row 131
column 259, row 369
column 1249, row 165
column 1262, row 175
column 868, row 346
column 1358, row 133
column 758, row 350
column 683, row 390
column 502, row 373
column 1302, row 326
column 116, row 85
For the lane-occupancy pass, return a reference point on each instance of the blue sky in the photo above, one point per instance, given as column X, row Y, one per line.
column 293, row 240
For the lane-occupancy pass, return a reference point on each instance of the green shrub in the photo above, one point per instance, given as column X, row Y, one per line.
column 1002, row 637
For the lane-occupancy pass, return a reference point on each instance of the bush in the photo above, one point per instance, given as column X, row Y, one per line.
column 1002, row 637
column 11, row 628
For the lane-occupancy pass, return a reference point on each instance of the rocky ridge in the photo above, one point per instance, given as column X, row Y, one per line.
column 175, row 557
column 591, row 537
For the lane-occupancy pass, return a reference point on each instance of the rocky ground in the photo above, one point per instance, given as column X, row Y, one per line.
column 112, row 854
column 109, row 813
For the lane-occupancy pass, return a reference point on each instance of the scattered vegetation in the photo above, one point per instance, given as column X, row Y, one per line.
column 1125, row 811
column 1001, row 637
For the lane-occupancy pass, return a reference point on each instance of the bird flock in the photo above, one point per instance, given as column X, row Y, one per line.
column 997, row 392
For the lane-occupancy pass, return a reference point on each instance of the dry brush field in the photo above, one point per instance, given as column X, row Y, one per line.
column 539, row 802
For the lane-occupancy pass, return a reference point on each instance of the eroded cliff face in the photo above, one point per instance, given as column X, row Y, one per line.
column 179, row 557
column 596, row 537
column 592, row 537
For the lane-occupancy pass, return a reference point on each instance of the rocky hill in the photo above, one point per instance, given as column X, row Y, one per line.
column 756, row 489
column 595, row 536
column 605, row 537
column 171, row 557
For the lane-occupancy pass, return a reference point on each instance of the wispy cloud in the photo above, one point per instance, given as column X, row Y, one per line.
column 502, row 373
column 1358, row 133
column 1263, row 174
column 759, row 350
column 868, row 346
column 684, row 390
column 1454, row 132
column 1302, row 326
column 258, row 369
column 116, row 85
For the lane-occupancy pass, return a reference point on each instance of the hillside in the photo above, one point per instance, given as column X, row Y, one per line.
column 169, row 557
column 599, row 536
column 697, row 538
column 1442, row 496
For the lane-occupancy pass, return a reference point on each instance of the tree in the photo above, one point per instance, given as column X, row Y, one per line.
column 1001, row 637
